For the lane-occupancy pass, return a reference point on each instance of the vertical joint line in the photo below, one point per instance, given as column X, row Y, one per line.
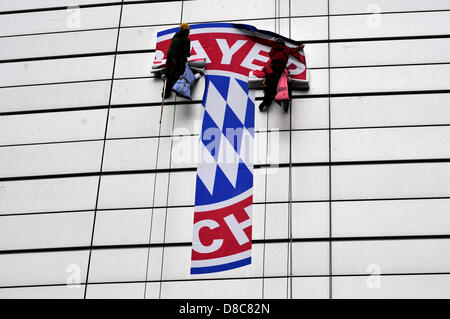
column 290, row 226
column 167, row 200
column 330, row 251
column 279, row 16
column 265, row 197
column 168, row 179
column 103, row 151
column 275, row 15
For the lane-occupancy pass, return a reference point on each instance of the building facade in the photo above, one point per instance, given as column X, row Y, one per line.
column 351, row 195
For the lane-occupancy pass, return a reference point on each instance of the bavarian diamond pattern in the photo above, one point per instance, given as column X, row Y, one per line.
column 237, row 99
column 206, row 169
column 226, row 144
column 215, row 106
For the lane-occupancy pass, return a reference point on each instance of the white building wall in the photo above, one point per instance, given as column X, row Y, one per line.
column 94, row 191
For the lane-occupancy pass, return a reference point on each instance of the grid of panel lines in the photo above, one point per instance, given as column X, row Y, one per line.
column 352, row 183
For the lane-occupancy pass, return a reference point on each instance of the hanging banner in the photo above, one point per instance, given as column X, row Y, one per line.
column 222, row 236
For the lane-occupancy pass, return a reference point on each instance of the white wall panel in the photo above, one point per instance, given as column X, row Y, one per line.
column 393, row 287
column 164, row 152
column 115, row 291
column 211, row 289
column 302, row 288
column 60, row 20
column 391, row 256
column 54, row 96
column 278, row 119
column 46, row 231
column 45, row 159
column 130, row 154
column 260, row 118
column 391, row 218
column 276, row 259
column 152, row 290
column 194, row 11
column 310, row 288
column 277, row 184
column 276, row 216
column 390, row 143
column 162, row 185
column 184, row 151
column 316, row 55
column 177, row 264
column 258, row 222
column 140, row 38
column 317, row 86
column 134, row 65
column 390, row 25
column 275, row 288
column 382, row 79
column 310, row 220
column 43, row 292
column 179, row 182
column 277, row 147
column 151, row 13
column 120, row 227
column 388, row 181
column 118, row 265
column 307, row 29
column 147, row 90
column 43, row 268
column 155, row 263
column 140, row 121
column 82, row 42
column 283, row 26
column 158, row 226
column 126, row 191
column 47, row 195
column 260, row 148
column 399, row 110
column 306, row 7
column 389, row 52
column 179, row 225
column 310, row 183
column 41, row 4
column 310, row 258
column 58, row 70
column 52, row 127
column 188, row 119
column 309, row 146
column 376, row 6
column 309, row 113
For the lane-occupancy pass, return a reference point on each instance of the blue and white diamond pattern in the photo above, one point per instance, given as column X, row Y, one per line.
column 237, row 99
column 226, row 107
column 206, row 168
column 215, row 105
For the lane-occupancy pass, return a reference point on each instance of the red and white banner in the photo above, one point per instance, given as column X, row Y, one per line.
column 222, row 236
